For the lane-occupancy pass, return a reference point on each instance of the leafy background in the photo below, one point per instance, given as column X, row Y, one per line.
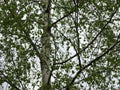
column 97, row 28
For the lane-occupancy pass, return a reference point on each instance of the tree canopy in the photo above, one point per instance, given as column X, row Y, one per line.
column 60, row 44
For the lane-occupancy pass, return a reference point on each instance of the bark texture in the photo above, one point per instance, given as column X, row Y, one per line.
column 45, row 51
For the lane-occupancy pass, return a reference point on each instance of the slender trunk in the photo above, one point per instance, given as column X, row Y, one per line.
column 46, row 46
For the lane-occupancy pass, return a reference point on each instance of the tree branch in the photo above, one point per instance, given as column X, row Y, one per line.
column 25, row 32
column 91, row 62
column 61, row 18
column 6, row 79
column 102, row 29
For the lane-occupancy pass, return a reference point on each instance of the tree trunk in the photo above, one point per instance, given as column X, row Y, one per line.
column 46, row 46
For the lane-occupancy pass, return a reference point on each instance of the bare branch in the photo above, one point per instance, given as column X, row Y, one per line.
column 102, row 29
column 61, row 18
column 91, row 62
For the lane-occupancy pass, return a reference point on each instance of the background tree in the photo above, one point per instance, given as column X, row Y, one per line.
column 60, row 44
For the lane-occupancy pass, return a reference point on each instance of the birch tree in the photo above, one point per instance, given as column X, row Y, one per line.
column 60, row 44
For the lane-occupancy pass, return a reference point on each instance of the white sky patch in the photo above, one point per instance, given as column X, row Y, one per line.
column 61, row 48
column 4, row 86
column 24, row 17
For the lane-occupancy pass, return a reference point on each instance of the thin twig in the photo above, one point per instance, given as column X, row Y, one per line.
column 6, row 79
column 90, row 63
column 102, row 29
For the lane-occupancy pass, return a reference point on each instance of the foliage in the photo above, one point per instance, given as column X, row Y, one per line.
column 84, row 41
